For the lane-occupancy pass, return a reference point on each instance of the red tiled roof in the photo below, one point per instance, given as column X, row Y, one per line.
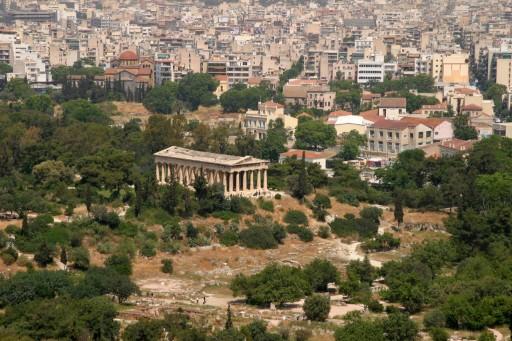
column 465, row 91
column 308, row 154
column 393, row 102
column 272, row 104
column 472, row 107
column 391, row 124
column 457, row 144
column 371, row 115
column 128, row 55
column 429, row 122
column 435, row 106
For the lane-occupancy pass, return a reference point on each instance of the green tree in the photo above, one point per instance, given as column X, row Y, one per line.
column 274, row 284
column 41, row 103
column 144, row 330
column 16, row 89
column 44, row 255
column 120, row 263
column 5, row 68
column 398, row 211
column 321, row 272
column 197, row 89
column 162, row 99
column 315, row 135
column 462, row 130
column 350, row 147
column 317, row 307
column 83, row 111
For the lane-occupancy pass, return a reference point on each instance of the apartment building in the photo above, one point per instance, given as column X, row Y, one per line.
column 388, row 138
column 164, row 68
column 504, row 73
column 321, row 98
column 257, row 122
column 374, row 70
column 392, row 108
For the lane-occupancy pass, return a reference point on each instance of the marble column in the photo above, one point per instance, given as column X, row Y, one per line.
column 244, row 181
column 157, row 173
column 237, row 181
column 258, row 183
column 230, row 182
column 264, row 179
column 251, row 184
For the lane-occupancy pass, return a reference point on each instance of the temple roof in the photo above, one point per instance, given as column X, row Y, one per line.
column 206, row 157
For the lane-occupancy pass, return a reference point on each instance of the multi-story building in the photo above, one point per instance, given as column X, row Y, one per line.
column 504, row 73
column 321, row 98
column 374, row 70
column 164, row 68
column 257, row 122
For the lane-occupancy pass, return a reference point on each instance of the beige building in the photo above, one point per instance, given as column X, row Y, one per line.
column 392, row 108
column 240, row 175
column 502, row 129
column 257, row 122
column 321, row 98
column 456, row 69
column 504, row 73
column 390, row 137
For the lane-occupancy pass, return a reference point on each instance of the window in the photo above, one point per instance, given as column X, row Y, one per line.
column 397, row 147
column 420, row 135
column 372, row 133
column 411, row 135
column 429, row 133
column 381, row 133
column 390, row 135
column 397, row 135
column 381, row 146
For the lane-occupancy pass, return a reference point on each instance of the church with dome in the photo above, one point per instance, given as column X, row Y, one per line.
column 131, row 71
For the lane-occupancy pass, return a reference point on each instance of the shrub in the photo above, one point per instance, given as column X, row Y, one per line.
column 321, row 272
column 278, row 196
column 322, row 201
column 317, row 307
column 225, row 215
column 9, row 256
column 167, row 266
column 324, row 232
column 191, row 231
column 120, row 263
column 302, row 232
column 350, row 225
column 104, row 217
column 296, row 217
column 198, row 241
column 266, row 205
column 172, row 247
column 148, row 249
column 127, row 247
column 303, row 334
column 241, row 205
column 80, row 258
column 105, row 248
column 487, row 336
column 375, row 307
column 11, row 229
column 44, row 255
column 372, row 213
column 279, row 233
column 229, row 238
column 258, row 237
column 434, row 319
column 384, row 242
column 439, row 334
